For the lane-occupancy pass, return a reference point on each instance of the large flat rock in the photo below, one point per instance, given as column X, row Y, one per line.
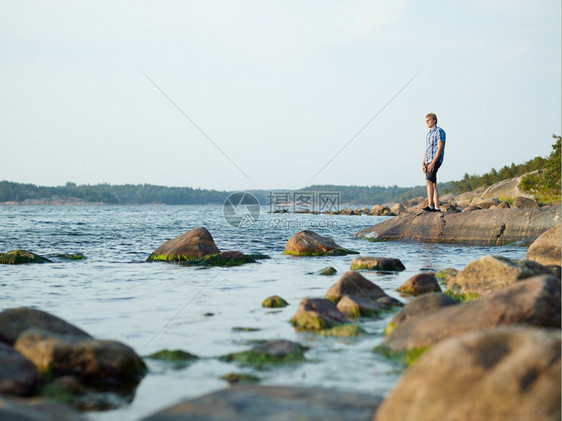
column 479, row 227
column 252, row 403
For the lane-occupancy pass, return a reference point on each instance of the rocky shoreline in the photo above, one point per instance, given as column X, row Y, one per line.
column 488, row 347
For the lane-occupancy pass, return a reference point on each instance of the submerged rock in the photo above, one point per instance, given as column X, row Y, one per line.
column 377, row 263
column 327, row 271
column 274, row 301
column 36, row 409
column 19, row 257
column 271, row 352
column 420, row 284
column 510, row 373
column 490, row 273
column 535, row 301
column 174, row 356
column 308, row 243
column 273, row 403
column 240, row 378
column 547, row 249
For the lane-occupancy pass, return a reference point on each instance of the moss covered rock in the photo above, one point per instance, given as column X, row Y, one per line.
column 19, row 257
column 240, row 378
column 271, row 352
column 377, row 263
column 274, row 301
column 192, row 245
column 175, row 356
column 327, row 271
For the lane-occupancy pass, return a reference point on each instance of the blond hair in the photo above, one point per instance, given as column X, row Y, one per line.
column 433, row 116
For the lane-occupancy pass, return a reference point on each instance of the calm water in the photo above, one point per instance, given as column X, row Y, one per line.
column 114, row 294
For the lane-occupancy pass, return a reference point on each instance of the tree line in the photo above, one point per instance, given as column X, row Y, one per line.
column 544, row 184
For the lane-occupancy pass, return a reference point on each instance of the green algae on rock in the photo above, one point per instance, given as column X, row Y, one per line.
column 72, row 256
column 175, row 356
column 377, row 263
column 240, row 378
column 274, row 301
column 327, row 271
column 278, row 351
column 20, row 257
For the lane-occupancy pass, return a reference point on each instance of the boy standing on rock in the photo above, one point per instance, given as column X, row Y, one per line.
column 432, row 160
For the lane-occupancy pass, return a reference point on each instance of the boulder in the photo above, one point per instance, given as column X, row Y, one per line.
column 377, row 263
column 308, row 243
column 535, row 301
column 191, row 245
column 490, row 273
column 17, row 374
column 36, row 409
column 546, row 249
column 505, row 189
column 398, row 209
column 481, row 227
column 484, row 203
column 510, row 373
column 353, row 283
column 353, row 306
column 420, row 284
column 271, row 352
column 88, row 359
column 422, row 305
column 446, row 275
column 19, row 257
column 14, row 321
column 525, row 203
column 269, row 403
column 320, row 315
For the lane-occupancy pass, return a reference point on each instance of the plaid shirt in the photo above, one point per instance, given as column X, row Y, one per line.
column 432, row 138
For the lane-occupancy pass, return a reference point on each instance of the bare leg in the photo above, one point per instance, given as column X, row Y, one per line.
column 430, row 192
column 435, row 196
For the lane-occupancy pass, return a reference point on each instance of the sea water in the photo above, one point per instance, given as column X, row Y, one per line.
column 114, row 294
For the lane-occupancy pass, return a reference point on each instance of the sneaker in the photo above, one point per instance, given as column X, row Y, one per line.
column 435, row 209
column 427, row 209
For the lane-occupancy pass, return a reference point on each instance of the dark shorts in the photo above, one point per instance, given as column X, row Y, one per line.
column 432, row 176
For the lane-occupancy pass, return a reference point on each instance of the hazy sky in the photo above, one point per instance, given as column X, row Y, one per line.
column 267, row 93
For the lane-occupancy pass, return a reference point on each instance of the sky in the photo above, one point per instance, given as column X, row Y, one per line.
column 238, row 95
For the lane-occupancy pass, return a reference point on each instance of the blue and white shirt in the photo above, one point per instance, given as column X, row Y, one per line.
column 433, row 137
